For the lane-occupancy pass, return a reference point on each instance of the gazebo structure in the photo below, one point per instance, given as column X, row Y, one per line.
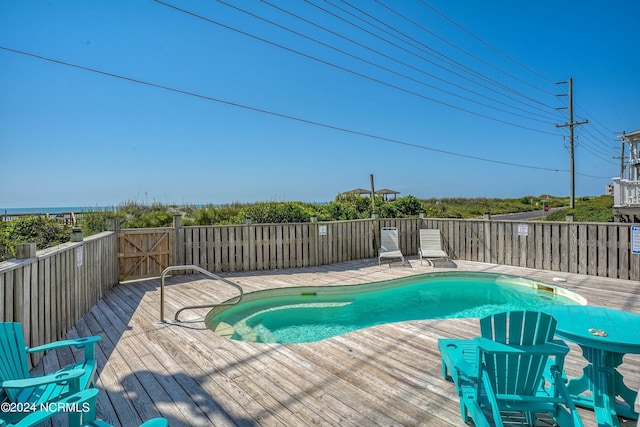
column 386, row 193
column 360, row 191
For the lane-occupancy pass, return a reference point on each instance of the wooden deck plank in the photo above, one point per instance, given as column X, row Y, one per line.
column 385, row 375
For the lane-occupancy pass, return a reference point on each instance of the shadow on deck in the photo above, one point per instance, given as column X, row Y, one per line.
column 385, row 375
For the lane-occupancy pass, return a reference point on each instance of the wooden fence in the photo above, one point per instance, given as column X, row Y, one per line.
column 50, row 292
column 598, row 249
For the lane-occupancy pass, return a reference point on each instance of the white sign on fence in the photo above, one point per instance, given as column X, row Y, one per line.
column 79, row 256
column 635, row 239
column 523, row 229
column 322, row 230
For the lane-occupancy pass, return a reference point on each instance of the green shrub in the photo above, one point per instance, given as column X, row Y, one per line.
column 95, row 222
column 44, row 232
column 276, row 212
column 587, row 209
column 407, row 206
column 136, row 215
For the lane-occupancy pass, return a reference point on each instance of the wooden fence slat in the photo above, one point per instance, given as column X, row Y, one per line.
column 624, row 251
column 612, row 251
column 572, row 248
column 602, row 251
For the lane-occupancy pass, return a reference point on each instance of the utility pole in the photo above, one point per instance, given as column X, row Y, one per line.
column 571, row 124
column 622, row 138
column 373, row 194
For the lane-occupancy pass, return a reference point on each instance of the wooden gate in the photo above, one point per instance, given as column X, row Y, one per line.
column 144, row 252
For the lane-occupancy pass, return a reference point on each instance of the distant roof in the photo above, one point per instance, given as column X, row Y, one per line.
column 358, row 191
column 387, row 191
column 361, row 191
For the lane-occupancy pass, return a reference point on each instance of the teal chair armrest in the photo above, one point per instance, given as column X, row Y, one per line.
column 71, row 375
column 88, row 343
column 549, row 348
column 467, row 370
column 459, row 355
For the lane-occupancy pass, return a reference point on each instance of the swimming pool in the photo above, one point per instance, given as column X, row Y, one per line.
column 306, row 314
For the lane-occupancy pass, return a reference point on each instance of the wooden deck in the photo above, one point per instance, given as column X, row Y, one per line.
column 387, row 375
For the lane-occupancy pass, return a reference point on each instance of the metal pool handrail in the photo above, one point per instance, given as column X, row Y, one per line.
column 203, row 271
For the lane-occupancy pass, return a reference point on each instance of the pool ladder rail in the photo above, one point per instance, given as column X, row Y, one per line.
column 189, row 307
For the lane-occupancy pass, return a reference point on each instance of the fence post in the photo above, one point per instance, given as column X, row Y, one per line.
column 113, row 224
column 315, row 237
column 488, row 250
column 177, row 248
column 375, row 233
column 25, row 250
column 76, row 234
column 250, row 232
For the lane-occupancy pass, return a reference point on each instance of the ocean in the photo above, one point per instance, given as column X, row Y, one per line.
column 52, row 210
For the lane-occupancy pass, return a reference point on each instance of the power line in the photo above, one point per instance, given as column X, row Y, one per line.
column 434, row 53
column 353, row 72
column 592, row 125
column 273, row 113
column 606, row 137
column 440, row 57
column 491, row 47
column 386, row 57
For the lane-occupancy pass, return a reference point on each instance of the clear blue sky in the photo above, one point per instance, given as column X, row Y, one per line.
column 244, row 101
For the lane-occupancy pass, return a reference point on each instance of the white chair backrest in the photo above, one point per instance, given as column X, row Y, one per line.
column 389, row 239
column 430, row 238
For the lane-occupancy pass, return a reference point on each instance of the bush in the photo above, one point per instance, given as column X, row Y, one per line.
column 276, row 212
column 95, row 222
column 212, row 215
column 407, row 206
column 350, row 206
column 44, row 232
column 134, row 215
column 587, row 209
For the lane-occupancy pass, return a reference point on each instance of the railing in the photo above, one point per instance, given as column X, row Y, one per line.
column 68, row 218
column 626, row 192
column 53, row 288
column 190, row 307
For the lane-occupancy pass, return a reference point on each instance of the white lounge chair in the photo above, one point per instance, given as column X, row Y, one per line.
column 431, row 246
column 389, row 245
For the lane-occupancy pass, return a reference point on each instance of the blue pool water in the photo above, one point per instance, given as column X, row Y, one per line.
column 296, row 315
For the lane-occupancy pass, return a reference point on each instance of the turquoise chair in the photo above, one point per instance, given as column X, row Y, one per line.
column 80, row 408
column 19, row 387
column 514, row 368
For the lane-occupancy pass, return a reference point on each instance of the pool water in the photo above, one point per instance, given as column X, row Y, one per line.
column 297, row 315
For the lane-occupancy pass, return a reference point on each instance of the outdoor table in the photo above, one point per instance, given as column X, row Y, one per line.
column 605, row 336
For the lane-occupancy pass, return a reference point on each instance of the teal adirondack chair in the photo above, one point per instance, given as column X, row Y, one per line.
column 80, row 408
column 515, row 367
column 19, row 386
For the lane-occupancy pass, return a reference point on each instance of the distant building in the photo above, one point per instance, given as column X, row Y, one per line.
column 626, row 188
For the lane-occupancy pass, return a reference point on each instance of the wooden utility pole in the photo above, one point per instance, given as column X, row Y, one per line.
column 571, row 124
column 373, row 194
column 622, row 138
